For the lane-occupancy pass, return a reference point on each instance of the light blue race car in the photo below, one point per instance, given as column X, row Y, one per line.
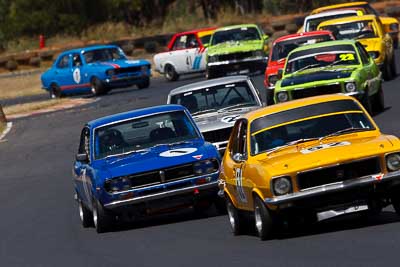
column 94, row 69
column 143, row 162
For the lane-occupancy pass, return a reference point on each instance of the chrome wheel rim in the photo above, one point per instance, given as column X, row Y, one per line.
column 231, row 217
column 93, row 89
column 258, row 220
column 95, row 216
column 80, row 211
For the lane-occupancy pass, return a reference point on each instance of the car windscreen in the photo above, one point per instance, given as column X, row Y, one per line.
column 353, row 30
column 282, row 49
column 307, row 122
column 216, row 98
column 321, row 57
column 106, row 54
column 143, row 133
column 236, row 35
column 312, row 23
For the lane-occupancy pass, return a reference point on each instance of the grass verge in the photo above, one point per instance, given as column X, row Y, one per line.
column 35, row 106
column 2, row 127
column 18, row 86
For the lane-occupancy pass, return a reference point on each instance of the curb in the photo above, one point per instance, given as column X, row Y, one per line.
column 6, row 131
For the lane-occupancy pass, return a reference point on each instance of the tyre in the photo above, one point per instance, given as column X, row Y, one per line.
column 366, row 102
column 263, row 220
column 393, row 67
column 270, row 97
column 97, row 87
column 396, row 202
column 236, row 219
column 379, row 101
column 170, row 73
column 387, row 72
column 102, row 218
column 85, row 215
column 144, row 84
column 55, row 91
column 210, row 74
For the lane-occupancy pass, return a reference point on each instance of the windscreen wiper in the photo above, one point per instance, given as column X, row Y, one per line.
column 346, row 130
column 295, row 142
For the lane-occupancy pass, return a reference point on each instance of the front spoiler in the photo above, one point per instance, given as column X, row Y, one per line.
column 140, row 199
column 331, row 188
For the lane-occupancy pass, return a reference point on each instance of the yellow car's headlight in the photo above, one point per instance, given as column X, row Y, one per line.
column 393, row 162
column 281, row 185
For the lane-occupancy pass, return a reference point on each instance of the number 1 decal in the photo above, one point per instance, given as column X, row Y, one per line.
column 239, row 184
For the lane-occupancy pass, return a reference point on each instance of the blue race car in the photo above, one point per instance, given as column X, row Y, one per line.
column 96, row 70
column 142, row 162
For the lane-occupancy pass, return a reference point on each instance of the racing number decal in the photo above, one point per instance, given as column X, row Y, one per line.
column 346, row 57
column 239, row 184
column 77, row 75
column 230, row 119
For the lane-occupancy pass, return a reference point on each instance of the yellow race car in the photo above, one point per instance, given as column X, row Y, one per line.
column 390, row 25
column 369, row 32
column 308, row 160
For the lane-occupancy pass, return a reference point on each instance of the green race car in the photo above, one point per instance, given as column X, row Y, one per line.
column 238, row 49
column 329, row 68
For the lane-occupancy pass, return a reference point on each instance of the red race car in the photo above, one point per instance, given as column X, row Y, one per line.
column 281, row 48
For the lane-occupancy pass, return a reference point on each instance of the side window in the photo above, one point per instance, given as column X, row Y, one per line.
column 192, row 41
column 63, row 63
column 239, row 138
column 76, row 60
column 180, row 42
column 363, row 54
column 84, row 147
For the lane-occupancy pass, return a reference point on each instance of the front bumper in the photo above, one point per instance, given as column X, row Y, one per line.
column 127, row 80
column 189, row 191
column 382, row 180
column 244, row 66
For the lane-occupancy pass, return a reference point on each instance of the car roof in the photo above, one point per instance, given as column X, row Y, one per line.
column 293, row 104
column 347, row 20
column 208, row 83
column 196, row 31
column 235, row 27
column 332, row 13
column 324, row 44
column 338, row 6
column 301, row 34
column 133, row 114
column 88, row 48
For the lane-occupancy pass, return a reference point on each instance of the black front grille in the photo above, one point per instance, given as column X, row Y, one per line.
column 315, row 91
column 144, row 178
column 220, row 135
column 338, row 173
column 178, row 172
column 127, row 70
column 235, row 56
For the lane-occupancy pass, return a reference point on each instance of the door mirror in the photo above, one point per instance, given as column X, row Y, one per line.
column 82, row 158
column 280, row 74
column 265, row 37
column 206, row 45
column 238, row 157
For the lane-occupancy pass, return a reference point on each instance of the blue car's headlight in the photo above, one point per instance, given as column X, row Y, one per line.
column 110, row 72
column 206, row 166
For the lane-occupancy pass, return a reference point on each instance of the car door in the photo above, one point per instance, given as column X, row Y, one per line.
column 194, row 52
column 178, row 54
column 81, row 167
column 62, row 73
column 369, row 72
column 238, row 155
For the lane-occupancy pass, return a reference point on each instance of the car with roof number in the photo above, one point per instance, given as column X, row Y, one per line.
column 369, row 32
column 143, row 162
column 96, row 70
column 281, row 47
column 307, row 161
column 236, row 50
column 332, row 67
column 186, row 53
column 216, row 104
column 391, row 25
column 311, row 22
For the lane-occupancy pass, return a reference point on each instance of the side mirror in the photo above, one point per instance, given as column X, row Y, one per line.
column 82, row 157
column 265, row 37
column 280, row 74
column 206, row 45
column 238, row 157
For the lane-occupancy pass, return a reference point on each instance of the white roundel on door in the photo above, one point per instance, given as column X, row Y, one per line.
column 77, row 75
column 178, row 152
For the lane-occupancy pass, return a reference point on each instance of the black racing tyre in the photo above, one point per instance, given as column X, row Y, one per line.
column 263, row 220
column 97, row 87
column 393, row 67
column 220, row 205
column 102, row 219
column 85, row 215
column 396, row 202
column 270, row 97
column 170, row 73
column 236, row 218
column 55, row 91
column 210, row 74
column 387, row 72
column 379, row 101
column 366, row 102
column 144, row 84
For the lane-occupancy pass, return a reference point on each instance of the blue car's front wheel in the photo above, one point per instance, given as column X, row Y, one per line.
column 97, row 87
column 55, row 91
column 102, row 218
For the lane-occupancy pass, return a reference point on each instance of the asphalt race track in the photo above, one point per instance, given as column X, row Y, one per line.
column 39, row 223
